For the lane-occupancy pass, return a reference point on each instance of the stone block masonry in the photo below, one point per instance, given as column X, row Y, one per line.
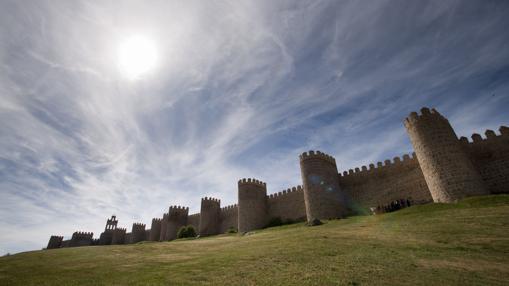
column 442, row 169
column 447, row 168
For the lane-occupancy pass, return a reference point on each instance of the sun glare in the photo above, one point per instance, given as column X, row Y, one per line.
column 137, row 56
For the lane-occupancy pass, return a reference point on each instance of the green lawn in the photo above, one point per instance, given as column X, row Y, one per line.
column 437, row 244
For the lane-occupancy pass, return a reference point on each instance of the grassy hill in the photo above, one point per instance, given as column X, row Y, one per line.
column 437, row 244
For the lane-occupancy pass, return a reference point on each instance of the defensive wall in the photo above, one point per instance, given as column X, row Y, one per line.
column 490, row 156
column 380, row 184
column 443, row 168
column 288, row 205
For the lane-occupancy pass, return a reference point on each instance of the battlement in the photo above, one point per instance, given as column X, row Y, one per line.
column 386, row 165
column 156, row 220
column 55, row 241
column 211, row 200
column 230, row 207
column 426, row 115
column 82, row 234
column 120, row 229
column 178, row 209
column 286, row 192
column 138, row 227
column 317, row 154
column 251, row 181
column 490, row 135
column 229, row 210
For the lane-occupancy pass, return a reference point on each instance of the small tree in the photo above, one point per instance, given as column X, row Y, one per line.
column 186, row 231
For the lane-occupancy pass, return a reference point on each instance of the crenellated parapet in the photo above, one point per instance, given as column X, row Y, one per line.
column 426, row 117
column 490, row 137
column 211, row 201
column 81, row 238
column 138, row 225
column 252, row 181
column 178, row 209
column 82, row 234
column 284, row 193
column 394, row 165
column 317, row 154
column 490, row 155
column 229, row 208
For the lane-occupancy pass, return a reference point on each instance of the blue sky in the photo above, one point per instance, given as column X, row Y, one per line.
column 240, row 90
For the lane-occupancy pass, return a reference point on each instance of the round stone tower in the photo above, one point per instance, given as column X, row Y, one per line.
column 177, row 218
column 252, row 204
column 164, row 226
column 209, row 216
column 137, row 232
column 155, row 229
column 449, row 173
column 322, row 194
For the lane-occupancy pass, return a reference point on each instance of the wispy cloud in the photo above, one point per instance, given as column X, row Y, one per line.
column 241, row 89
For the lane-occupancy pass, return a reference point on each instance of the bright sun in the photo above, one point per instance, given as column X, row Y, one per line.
column 137, row 55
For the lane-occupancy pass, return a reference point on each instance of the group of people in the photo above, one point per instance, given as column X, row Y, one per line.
column 393, row 206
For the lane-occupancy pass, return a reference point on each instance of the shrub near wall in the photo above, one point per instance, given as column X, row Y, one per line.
column 186, row 232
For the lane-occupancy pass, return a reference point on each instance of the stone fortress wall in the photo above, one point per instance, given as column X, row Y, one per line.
column 229, row 218
column 442, row 169
column 371, row 186
column 287, row 205
column 490, row 157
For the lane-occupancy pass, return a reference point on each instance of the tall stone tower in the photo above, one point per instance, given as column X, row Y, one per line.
column 118, row 236
column 209, row 216
column 164, row 226
column 447, row 169
column 322, row 195
column 252, row 204
column 55, row 241
column 155, row 229
column 137, row 232
column 177, row 218
column 106, row 237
